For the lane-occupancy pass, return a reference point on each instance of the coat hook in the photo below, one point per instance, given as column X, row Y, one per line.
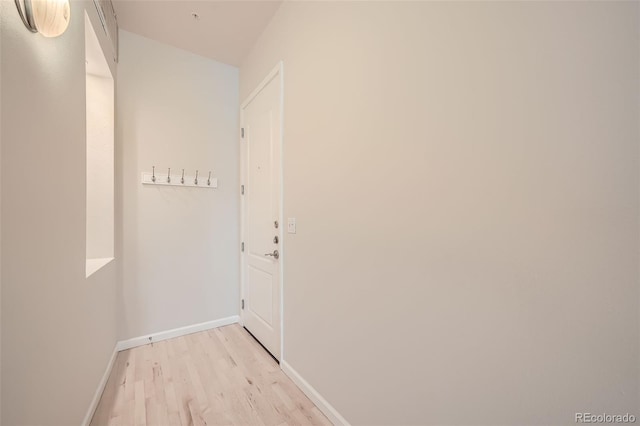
column 196, row 180
column 209, row 180
column 153, row 175
column 182, row 180
column 169, row 175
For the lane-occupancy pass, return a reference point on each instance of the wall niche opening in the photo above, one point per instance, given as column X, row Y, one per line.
column 100, row 154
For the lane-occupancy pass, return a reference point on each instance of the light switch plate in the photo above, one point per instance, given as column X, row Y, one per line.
column 291, row 225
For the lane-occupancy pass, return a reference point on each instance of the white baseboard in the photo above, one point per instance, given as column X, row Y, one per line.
column 176, row 332
column 101, row 386
column 322, row 404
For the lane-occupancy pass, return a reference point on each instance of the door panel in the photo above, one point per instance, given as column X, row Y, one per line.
column 261, row 153
column 260, row 295
column 259, row 188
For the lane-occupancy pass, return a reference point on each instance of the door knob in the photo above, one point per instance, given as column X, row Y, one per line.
column 275, row 254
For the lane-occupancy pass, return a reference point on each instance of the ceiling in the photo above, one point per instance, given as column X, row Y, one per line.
column 223, row 30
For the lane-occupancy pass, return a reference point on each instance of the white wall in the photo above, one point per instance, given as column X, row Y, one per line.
column 2, row 12
column 181, row 249
column 465, row 182
column 58, row 328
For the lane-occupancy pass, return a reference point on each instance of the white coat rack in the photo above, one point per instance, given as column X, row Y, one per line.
column 169, row 179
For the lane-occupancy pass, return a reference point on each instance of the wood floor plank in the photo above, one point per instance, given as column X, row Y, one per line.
column 140, row 413
column 216, row 377
column 130, row 371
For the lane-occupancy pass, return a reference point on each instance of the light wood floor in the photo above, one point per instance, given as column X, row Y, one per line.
column 216, row 377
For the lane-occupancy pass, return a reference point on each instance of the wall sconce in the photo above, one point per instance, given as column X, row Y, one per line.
column 48, row 17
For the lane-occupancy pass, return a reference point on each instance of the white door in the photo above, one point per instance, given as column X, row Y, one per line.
column 262, row 222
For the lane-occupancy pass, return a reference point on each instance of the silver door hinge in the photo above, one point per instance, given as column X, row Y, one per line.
column 242, row 303
column 243, row 246
column 242, row 189
column 242, row 133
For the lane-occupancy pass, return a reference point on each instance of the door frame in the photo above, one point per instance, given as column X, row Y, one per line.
column 276, row 72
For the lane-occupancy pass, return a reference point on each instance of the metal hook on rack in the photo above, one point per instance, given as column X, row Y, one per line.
column 176, row 179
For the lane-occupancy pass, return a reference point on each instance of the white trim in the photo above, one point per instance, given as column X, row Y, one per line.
column 101, row 386
column 282, row 246
column 176, row 332
column 275, row 71
column 278, row 70
column 315, row 397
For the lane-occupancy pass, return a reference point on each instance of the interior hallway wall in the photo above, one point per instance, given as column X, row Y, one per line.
column 58, row 327
column 465, row 181
column 1, row 13
column 181, row 249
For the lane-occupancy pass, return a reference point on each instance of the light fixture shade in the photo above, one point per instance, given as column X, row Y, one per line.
column 51, row 17
column 48, row 17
